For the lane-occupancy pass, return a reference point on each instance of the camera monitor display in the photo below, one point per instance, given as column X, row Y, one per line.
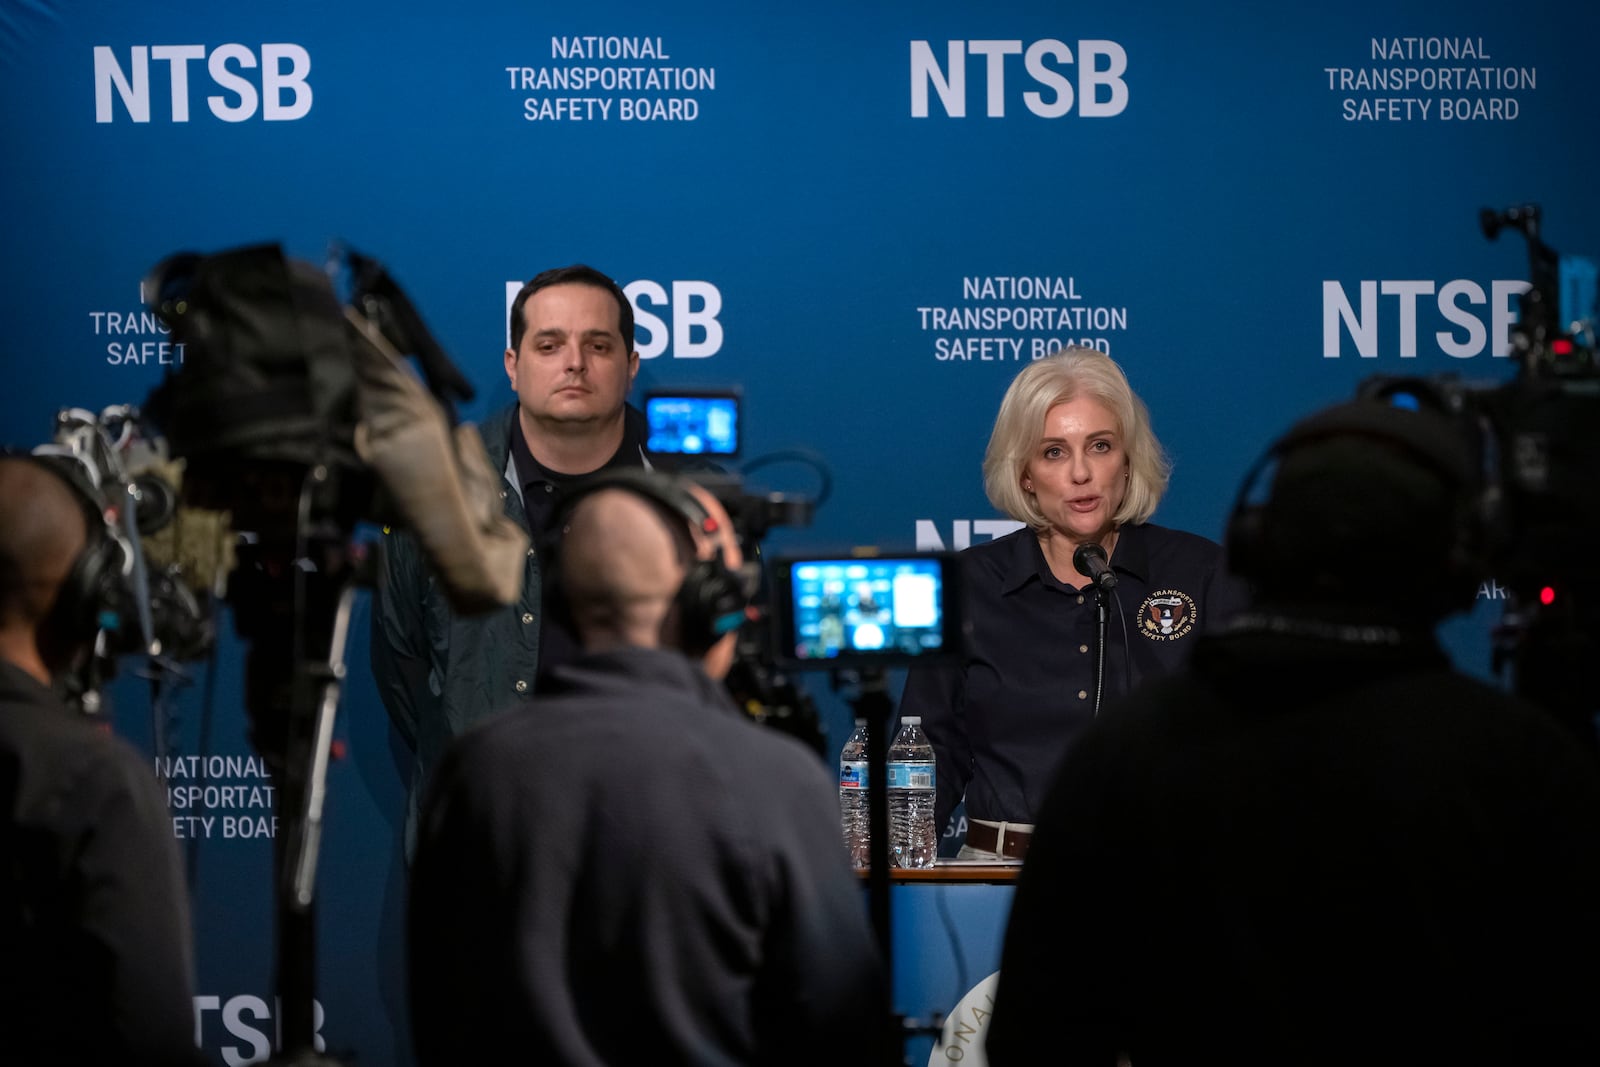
column 693, row 423
column 862, row 611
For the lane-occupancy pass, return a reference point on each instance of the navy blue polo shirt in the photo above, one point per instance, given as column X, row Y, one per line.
column 540, row 486
column 1002, row 719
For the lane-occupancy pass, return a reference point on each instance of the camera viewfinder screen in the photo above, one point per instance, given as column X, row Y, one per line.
column 693, row 425
column 892, row 608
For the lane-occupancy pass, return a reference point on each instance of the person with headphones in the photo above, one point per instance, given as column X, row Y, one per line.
column 95, row 937
column 1319, row 843
column 633, row 871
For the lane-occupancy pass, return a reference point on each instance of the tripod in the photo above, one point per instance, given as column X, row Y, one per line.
column 305, row 790
column 293, row 604
column 872, row 703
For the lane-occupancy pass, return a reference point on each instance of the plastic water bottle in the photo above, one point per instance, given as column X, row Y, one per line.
column 913, row 839
column 853, row 817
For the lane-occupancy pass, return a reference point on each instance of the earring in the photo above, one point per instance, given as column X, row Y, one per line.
column 1027, row 487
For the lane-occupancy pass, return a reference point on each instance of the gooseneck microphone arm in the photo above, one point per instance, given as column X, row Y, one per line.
column 1101, row 598
column 1090, row 560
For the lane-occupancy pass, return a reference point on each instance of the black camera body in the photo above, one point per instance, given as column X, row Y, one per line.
column 1535, row 434
column 1539, row 448
column 147, row 602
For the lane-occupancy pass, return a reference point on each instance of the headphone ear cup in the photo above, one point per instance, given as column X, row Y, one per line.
column 711, row 603
column 1470, row 559
column 1244, row 540
column 1256, row 552
column 92, row 589
column 79, row 598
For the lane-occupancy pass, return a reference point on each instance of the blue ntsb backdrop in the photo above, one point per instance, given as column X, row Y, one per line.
column 868, row 217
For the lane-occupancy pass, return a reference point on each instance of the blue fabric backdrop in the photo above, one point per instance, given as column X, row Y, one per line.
column 869, row 217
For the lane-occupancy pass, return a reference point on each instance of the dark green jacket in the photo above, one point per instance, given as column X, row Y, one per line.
column 438, row 673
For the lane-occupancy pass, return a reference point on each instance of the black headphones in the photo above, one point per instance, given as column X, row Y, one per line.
column 1437, row 442
column 713, row 598
column 91, row 597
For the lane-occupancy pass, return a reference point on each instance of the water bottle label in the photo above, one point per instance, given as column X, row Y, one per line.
column 853, row 774
column 910, row 776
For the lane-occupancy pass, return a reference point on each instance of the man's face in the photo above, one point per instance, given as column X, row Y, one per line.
column 571, row 367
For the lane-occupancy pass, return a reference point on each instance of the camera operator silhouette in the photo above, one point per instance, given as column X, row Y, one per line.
column 1319, row 843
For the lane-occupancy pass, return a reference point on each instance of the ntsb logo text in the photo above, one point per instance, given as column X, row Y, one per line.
column 1098, row 89
column 281, row 93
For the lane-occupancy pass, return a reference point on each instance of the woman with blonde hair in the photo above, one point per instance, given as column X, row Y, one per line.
column 1054, row 634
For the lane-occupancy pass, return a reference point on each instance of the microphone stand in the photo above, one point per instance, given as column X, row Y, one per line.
column 1089, row 559
column 1102, row 614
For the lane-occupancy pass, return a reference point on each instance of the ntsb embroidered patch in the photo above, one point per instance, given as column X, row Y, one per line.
column 1166, row 615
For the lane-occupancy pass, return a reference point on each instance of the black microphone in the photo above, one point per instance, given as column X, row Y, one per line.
column 1090, row 559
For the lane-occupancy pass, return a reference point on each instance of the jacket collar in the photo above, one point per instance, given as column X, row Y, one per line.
column 1025, row 559
column 623, row 669
column 497, row 428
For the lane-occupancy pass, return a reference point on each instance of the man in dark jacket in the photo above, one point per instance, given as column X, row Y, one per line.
column 667, row 884
column 96, row 953
column 571, row 364
column 1320, row 844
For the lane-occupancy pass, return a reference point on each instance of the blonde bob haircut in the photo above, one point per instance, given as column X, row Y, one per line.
column 1019, row 431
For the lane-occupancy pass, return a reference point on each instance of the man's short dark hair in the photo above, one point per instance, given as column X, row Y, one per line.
column 577, row 274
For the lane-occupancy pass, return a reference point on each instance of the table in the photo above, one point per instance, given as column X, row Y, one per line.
column 947, row 930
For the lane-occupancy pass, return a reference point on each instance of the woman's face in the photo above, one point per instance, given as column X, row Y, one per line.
column 1078, row 473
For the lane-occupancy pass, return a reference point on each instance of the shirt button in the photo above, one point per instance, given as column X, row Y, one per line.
column 1083, row 648
column 502, row 494
column 549, row 488
column 527, row 617
column 1080, row 598
column 1083, row 694
column 522, row 687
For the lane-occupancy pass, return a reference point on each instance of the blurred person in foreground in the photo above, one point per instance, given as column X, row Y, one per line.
column 96, row 950
column 1074, row 458
column 666, row 884
column 1320, row 844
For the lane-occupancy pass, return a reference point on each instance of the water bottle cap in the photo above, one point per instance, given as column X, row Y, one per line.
column 911, row 720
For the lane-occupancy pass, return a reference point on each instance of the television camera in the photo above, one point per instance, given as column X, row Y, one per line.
column 292, row 419
column 692, row 433
column 1538, row 500
column 158, row 603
